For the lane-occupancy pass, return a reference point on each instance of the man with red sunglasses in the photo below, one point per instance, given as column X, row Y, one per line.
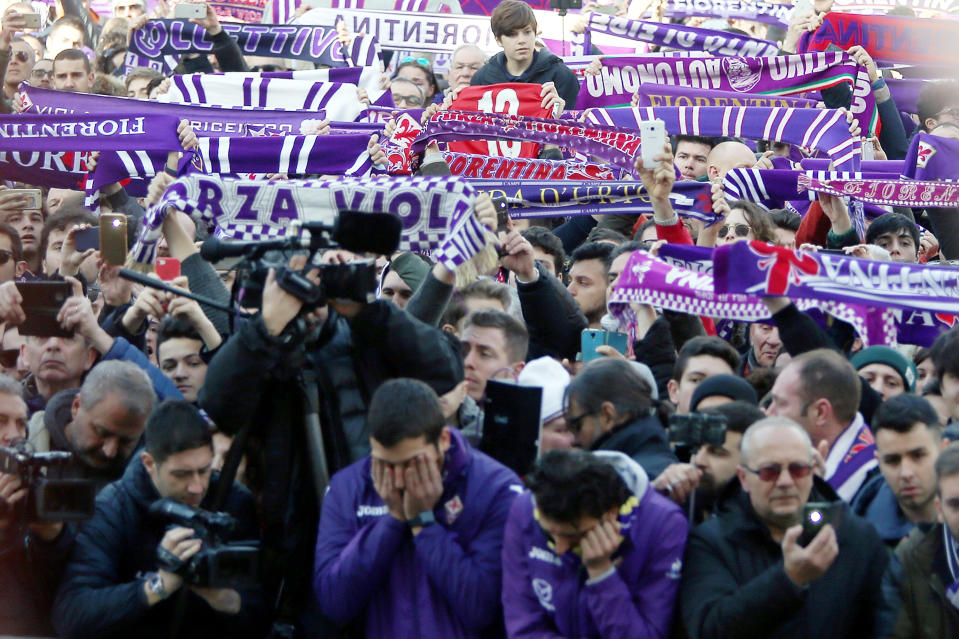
column 747, row 573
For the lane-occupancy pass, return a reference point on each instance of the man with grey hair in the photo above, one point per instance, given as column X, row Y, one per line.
column 746, row 573
column 101, row 423
column 465, row 62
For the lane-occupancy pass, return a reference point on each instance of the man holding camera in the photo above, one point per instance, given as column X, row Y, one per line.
column 129, row 564
column 749, row 573
column 31, row 551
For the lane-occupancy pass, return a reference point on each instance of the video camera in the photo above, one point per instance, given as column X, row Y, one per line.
column 217, row 564
column 48, row 499
column 377, row 233
column 690, row 431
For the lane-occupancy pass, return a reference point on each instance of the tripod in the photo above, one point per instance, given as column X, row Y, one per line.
column 564, row 6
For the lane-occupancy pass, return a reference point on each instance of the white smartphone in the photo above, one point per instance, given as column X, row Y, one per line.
column 189, row 10
column 31, row 20
column 652, row 135
column 868, row 150
column 802, row 7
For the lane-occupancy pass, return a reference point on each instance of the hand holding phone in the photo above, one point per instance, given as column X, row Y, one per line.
column 168, row 268
column 113, row 238
column 652, row 135
column 593, row 338
column 189, row 10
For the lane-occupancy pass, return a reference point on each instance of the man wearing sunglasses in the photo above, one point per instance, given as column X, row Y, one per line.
column 22, row 59
column 746, row 574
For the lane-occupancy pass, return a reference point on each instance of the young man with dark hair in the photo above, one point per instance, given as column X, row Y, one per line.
column 897, row 234
column 547, row 249
column 28, row 224
column 11, row 254
column 116, row 583
column 698, row 359
column 886, row 370
column 690, row 154
column 587, row 279
column 907, row 433
column 926, row 562
column 592, row 551
column 494, row 342
column 72, row 71
column 514, row 26
column 180, row 348
column 938, row 102
column 54, row 233
column 410, row 537
column 945, row 357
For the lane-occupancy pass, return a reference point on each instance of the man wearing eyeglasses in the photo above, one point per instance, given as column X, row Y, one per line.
column 938, row 102
column 42, row 74
column 746, row 573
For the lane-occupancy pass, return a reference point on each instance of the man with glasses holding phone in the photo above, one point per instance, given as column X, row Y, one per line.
column 746, row 573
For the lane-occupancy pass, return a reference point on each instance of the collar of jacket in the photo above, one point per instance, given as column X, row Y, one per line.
column 615, row 431
column 457, row 458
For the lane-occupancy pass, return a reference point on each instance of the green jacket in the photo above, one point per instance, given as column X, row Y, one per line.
column 925, row 610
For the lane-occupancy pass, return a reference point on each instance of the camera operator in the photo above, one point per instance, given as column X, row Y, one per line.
column 254, row 376
column 30, row 553
column 114, row 585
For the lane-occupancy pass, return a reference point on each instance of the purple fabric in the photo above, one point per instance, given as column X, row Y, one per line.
column 605, row 142
column 155, row 43
column 206, row 121
column 680, row 37
column 754, row 268
column 336, row 154
column 61, row 170
column 905, row 92
column 765, row 12
column 110, row 132
column 931, row 157
column 907, row 193
column 551, row 198
column 656, row 95
column 489, row 167
column 867, row 166
column 824, row 129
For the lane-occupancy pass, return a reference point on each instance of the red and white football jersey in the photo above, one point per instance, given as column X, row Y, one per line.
column 512, row 98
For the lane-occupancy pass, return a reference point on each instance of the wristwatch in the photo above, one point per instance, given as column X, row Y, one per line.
column 422, row 520
column 155, row 585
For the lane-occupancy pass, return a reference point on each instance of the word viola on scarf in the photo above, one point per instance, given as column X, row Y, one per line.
column 765, row 12
column 680, row 37
column 157, row 40
column 762, row 269
column 621, row 77
column 88, row 133
column 437, row 213
column 892, row 39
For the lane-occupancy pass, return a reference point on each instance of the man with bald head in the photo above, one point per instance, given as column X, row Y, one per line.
column 748, row 575
column 727, row 156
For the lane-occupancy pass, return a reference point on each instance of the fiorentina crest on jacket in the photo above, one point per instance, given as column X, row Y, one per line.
column 453, row 509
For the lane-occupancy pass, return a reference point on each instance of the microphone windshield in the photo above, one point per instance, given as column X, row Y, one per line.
column 377, row 233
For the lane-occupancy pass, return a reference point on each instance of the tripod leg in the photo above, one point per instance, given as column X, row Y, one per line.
column 314, row 436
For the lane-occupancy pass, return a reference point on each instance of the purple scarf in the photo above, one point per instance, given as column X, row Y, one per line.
column 755, row 268
column 680, row 37
column 669, row 284
column 61, row 170
column 88, row 132
column 160, row 43
column 756, row 10
column 909, row 193
column 824, row 129
column 931, row 157
column 493, row 167
column 299, row 154
column 888, row 39
column 657, row 95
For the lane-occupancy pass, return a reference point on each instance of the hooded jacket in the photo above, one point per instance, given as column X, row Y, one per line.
column 876, row 503
column 546, row 595
column 546, row 67
column 926, row 609
column 442, row 583
column 734, row 584
column 642, row 439
column 102, row 594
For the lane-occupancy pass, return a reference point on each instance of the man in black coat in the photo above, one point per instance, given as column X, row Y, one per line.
column 121, row 580
column 746, row 574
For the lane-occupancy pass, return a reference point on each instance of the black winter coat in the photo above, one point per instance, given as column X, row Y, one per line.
column 554, row 318
column 644, row 440
column 734, row 584
column 102, row 594
column 546, row 67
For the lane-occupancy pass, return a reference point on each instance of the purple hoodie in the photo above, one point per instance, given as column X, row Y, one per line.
column 445, row 582
column 546, row 595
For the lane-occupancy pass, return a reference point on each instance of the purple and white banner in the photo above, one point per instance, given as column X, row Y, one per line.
column 368, row 78
column 765, row 12
column 680, row 37
column 490, row 167
column 111, row 132
column 335, row 154
column 823, row 129
column 932, row 157
column 907, row 193
column 55, row 169
column 437, row 213
column 755, row 268
column 621, row 77
column 657, row 95
column 159, row 44
column 923, row 8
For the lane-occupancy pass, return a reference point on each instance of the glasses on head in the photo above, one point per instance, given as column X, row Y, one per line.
column 741, row 230
column 22, row 56
column 42, row 73
column 8, row 357
column 423, row 62
column 5, row 256
column 772, row 472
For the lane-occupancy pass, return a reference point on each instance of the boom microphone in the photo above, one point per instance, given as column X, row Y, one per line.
column 214, row 249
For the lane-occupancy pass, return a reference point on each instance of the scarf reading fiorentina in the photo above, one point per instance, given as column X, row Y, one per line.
column 338, row 101
column 551, row 198
column 669, row 284
column 765, row 12
column 621, row 77
column 657, row 95
column 823, row 129
column 205, row 120
column 88, row 132
column 500, row 168
column 158, row 44
column 888, row 39
column 605, row 142
column 755, row 268
column 510, row 98
column 680, row 37
column 437, row 213
column 931, row 157
column 908, row 193
column 60, row 170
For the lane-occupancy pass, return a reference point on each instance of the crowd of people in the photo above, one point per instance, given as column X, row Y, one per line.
column 304, row 467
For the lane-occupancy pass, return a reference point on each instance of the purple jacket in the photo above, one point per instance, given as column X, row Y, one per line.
column 442, row 583
column 546, row 595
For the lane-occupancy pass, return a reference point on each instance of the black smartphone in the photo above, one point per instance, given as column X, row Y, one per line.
column 502, row 213
column 41, row 303
column 815, row 516
column 88, row 239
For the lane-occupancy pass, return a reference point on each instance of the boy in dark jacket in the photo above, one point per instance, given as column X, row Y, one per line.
column 514, row 26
